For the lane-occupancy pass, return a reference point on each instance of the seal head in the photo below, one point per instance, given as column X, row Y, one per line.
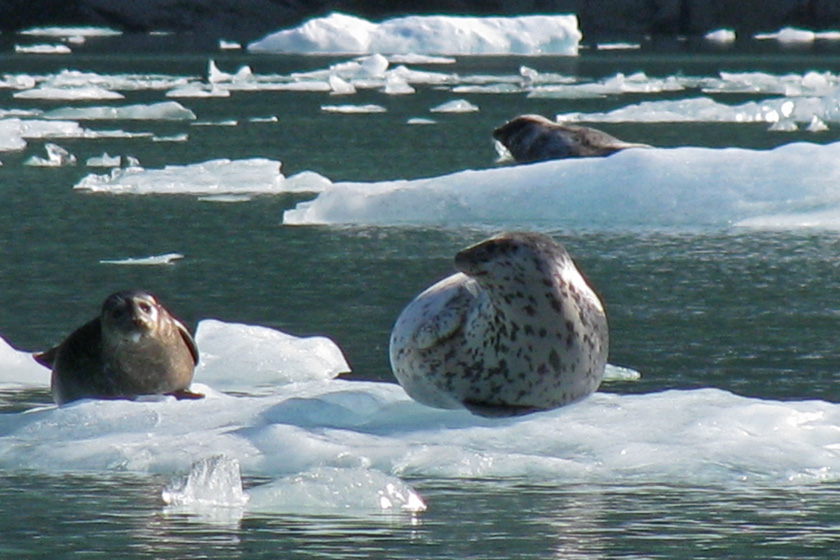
column 530, row 138
column 516, row 330
column 135, row 347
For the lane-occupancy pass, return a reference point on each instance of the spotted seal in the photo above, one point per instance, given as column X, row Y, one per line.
column 530, row 138
column 135, row 347
column 516, row 330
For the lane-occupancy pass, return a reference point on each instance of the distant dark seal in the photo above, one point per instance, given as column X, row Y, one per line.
column 517, row 330
column 532, row 138
column 135, row 347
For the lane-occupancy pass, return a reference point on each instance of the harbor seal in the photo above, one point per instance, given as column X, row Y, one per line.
column 135, row 347
column 518, row 329
column 530, row 138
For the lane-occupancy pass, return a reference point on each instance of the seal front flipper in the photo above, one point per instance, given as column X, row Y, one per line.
column 46, row 359
column 187, row 337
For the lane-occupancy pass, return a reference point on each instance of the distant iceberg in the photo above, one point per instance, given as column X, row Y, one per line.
column 166, row 110
column 642, row 188
column 219, row 176
column 83, row 31
column 69, row 93
column 534, row 35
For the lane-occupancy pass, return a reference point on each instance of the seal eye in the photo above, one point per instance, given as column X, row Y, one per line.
column 144, row 307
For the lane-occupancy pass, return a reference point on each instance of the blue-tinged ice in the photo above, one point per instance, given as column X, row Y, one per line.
column 535, row 35
column 56, row 157
column 642, row 188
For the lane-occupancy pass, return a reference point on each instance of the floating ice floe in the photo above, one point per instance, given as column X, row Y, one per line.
column 155, row 260
column 69, row 93
column 644, row 188
column 61, row 31
column 455, row 106
column 720, row 36
column 56, row 157
column 353, row 109
column 340, row 86
column 434, row 35
column 795, row 35
column 618, row 46
column 412, row 58
column 705, row 109
column 104, row 160
column 198, row 91
column 229, row 45
column 420, row 120
column 42, row 49
column 19, row 369
column 614, row 85
column 166, row 110
column 272, row 358
column 181, row 137
column 219, row 176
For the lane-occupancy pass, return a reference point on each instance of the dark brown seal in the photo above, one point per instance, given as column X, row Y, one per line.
column 135, row 347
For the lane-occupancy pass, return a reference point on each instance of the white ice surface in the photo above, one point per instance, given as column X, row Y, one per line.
column 435, row 35
column 640, row 188
column 83, row 31
column 795, row 35
column 219, row 176
column 104, row 160
column 56, row 157
column 720, row 36
column 43, row 49
column 455, row 106
column 69, row 93
column 165, row 110
column 353, row 109
column 272, row 358
column 154, row 260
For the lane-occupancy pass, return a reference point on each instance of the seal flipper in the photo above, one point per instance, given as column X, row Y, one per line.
column 186, row 394
column 187, row 337
column 46, row 359
column 493, row 410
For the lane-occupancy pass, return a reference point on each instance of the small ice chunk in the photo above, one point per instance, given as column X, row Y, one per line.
column 816, row 125
column 267, row 119
column 42, row 49
column 69, row 93
column 157, row 260
column 340, row 86
column 420, row 120
column 789, row 35
column 455, row 106
column 720, row 36
column 270, row 357
column 223, row 122
column 617, row 46
column 198, row 91
column 212, row 482
column 336, row 490
column 395, row 84
column 411, row 58
column 229, row 45
column 215, row 76
column 104, row 160
column 182, row 137
column 166, row 110
column 56, row 157
column 618, row 373
column 60, row 31
column 353, row 109
column 783, row 125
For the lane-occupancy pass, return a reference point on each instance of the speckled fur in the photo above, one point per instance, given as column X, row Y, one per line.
column 518, row 329
column 531, row 138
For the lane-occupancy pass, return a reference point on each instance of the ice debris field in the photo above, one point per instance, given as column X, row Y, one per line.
column 275, row 408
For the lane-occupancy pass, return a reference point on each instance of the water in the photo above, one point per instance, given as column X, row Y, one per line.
column 749, row 312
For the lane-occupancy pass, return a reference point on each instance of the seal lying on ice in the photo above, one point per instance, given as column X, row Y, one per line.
column 530, row 138
column 135, row 347
column 517, row 330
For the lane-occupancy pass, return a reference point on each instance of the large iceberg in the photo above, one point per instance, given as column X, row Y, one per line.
column 444, row 35
column 640, row 188
column 219, row 176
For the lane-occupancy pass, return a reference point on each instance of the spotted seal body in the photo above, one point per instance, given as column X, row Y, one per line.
column 516, row 330
column 531, row 138
column 135, row 347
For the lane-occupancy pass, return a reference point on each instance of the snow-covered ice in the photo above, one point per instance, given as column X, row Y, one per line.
column 70, row 31
column 165, row 110
column 105, row 160
column 720, row 36
column 354, row 109
column 43, row 49
column 219, row 176
column 429, row 35
column 796, row 35
column 649, row 188
column 455, row 106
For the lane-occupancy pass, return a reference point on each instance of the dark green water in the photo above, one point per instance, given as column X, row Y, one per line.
column 754, row 313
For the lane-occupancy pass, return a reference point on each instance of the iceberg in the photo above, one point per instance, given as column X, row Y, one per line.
column 644, row 188
column 166, row 110
column 219, row 176
column 533, row 35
